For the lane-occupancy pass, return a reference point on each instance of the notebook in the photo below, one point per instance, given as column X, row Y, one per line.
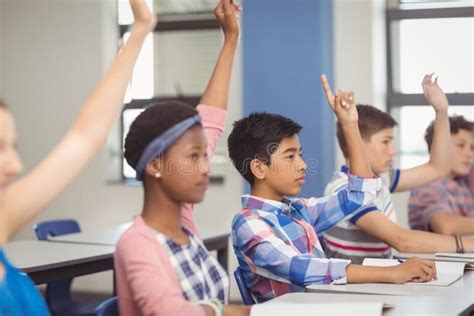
column 447, row 272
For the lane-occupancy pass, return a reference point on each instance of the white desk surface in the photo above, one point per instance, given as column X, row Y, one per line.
column 463, row 287
column 430, row 256
column 403, row 305
column 33, row 255
column 108, row 236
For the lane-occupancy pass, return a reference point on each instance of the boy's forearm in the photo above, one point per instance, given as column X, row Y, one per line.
column 217, row 91
column 366, row 274
column 439, row 153
column 358, row 162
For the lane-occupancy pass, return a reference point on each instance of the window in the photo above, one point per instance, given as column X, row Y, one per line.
column 425, row 37
column 175, row 62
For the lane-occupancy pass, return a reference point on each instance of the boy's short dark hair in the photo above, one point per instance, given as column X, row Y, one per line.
column 371, row 121
column 456, row 123
column 257, row 137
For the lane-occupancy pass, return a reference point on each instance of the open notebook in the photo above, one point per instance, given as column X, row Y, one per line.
column 310, row 309
column 447, row 272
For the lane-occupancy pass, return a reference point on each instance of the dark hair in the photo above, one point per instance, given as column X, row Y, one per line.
column 3, row 104
column 456, row 123
column 371, row 121
column 256, row 137
column 151, row 123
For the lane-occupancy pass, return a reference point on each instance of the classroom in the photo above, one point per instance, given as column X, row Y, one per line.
column 236, row 157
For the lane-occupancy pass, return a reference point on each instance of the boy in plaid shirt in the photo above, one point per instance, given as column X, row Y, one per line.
column 275, row 238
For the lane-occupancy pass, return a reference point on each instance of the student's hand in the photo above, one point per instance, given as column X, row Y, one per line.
column 144, row 19
column 236, row 310
column 433, row 93
column 413, row 269
column 228, row 14
column 343, row 104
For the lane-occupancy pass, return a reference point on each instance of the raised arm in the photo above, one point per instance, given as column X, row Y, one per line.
column 35, row 191
column 217, row 91
column 344, row 107
column 438, row 166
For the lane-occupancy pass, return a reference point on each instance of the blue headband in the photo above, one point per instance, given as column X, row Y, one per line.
column 162, row 142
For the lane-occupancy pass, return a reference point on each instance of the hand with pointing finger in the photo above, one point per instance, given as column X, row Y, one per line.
column 342, row 103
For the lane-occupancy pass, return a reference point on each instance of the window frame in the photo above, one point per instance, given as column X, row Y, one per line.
column 397, row 99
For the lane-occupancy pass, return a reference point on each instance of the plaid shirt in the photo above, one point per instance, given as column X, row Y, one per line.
column 450, row 196
column 200, row 275
column 277, row 245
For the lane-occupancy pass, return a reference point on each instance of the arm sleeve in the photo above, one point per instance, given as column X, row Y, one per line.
column 349, row 200
column 274, row 259
column 153, row 289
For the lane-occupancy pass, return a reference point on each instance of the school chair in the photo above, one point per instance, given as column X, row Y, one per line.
column 108, row 308
column 243, row 289
column 58, row 293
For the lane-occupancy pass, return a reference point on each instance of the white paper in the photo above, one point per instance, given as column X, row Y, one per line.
column 310, row 309
column 447, row 272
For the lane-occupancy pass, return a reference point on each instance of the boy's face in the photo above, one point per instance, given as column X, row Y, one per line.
column 380, row 150
column 462, row 153
column 286, row 174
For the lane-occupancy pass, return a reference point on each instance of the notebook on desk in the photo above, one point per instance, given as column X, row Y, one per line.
column 447, row 272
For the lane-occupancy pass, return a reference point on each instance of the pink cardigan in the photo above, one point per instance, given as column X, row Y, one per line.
column 147, row 283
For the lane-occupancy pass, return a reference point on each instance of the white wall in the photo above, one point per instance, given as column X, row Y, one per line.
column 57, row 51
column 360, row 62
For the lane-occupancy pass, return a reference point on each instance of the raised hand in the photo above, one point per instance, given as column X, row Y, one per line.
column 414, row 269
column 434, row 94
column 343, row 103
column 144, row 18
column 228, row 14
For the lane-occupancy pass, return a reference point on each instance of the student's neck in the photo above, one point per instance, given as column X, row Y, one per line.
column 162, row 213
column 261, row 190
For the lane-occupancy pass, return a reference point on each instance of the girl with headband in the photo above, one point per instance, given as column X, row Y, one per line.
column 41, row 186
column 162, row 266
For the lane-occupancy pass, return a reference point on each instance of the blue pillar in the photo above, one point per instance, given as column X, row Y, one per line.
column 287, row 44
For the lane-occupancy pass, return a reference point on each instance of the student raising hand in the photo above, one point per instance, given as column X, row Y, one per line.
column 228, row 15
column 86, row 136
column 433, row 93
column 143, row 17
column 343, row 103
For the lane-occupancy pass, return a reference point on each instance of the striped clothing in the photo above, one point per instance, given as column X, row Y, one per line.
column 277, row 245
column 444, row 196
column 200, row 275
column 346, row 240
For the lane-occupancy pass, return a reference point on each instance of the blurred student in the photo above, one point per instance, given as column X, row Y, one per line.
column 24, row 198
column 446, row 206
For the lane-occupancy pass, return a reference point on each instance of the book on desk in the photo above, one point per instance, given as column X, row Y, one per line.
column 447, row 272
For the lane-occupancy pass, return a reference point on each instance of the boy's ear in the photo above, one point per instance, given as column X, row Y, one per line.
column 258, row 169
column 154, row 167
